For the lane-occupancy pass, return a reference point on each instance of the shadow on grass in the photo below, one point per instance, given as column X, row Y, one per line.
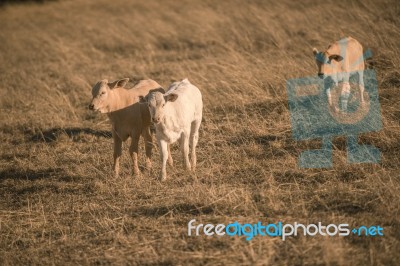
column 342, row 206
column 264, row 109
column 54, row 133
column 246, row 136
column 182, row 208
column 5, row 2
column 272, row 145
column 32, row 175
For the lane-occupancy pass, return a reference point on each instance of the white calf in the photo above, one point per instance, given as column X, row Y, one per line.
column 177, row 115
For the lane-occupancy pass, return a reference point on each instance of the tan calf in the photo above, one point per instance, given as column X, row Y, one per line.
column 128, row 117
column 342, row 59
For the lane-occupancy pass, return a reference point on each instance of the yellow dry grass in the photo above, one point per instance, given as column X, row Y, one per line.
column 60, row 203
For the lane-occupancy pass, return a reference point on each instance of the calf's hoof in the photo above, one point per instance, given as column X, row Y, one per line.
column 334, row 109
column 163, row 176
column 148, row 166
column 136, row 172
column 116, row 173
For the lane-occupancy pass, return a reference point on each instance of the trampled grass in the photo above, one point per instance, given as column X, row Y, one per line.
column 60, row 202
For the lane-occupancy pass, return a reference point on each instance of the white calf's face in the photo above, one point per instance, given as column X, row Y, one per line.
column 100, row 93
column 157, row 102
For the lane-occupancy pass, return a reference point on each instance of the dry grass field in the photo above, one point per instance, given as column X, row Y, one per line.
column 59, row 201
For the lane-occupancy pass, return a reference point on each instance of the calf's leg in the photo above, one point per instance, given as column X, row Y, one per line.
column 170, row 161
column 184, row 143
column 327, row 87
column 345, row 92
column 194, row 137
column 361, row 85
column 117, row 153
column 344, row 97
column 163, row 145
column 148, row 146
column 133, row 152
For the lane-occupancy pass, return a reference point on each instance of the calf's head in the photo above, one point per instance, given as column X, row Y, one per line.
column 156, row 102
column 325, row 62
column 101, row 94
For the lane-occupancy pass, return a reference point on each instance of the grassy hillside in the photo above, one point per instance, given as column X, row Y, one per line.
column 59, row 200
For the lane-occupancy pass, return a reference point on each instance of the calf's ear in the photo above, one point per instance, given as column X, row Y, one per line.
column 171, row 97
column 118, row 83
column 142, row 99
column 335, row 57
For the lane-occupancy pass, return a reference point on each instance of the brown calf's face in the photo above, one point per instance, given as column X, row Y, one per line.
column 101, row 91
column 326, row 63
column 156, row 102
column 320, row 60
